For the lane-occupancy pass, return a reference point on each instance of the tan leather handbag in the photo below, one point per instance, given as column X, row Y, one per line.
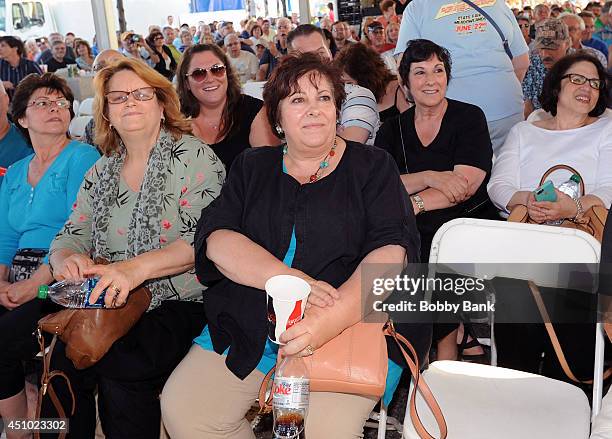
column 356, row 362
column 592, row 222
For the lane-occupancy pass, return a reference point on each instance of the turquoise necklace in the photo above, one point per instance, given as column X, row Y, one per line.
column 324, row 164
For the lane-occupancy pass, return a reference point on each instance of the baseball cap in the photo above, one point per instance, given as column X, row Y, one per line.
column 226, row 23
column 550, row 34
column 375, row 25
column 260, row 42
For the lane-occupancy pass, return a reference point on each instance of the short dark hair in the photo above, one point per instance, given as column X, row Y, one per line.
column 552, row 83
column 79, row 43
column 386, row 4
column 304, row 30
column 26, row 89
column 363, row 64
column 285, row 77
column 586, row 14
column 190, row 105
column 14, row 42
column 422, row 50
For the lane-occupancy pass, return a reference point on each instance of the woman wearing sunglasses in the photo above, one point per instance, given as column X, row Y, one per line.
column 138, row 209
column 575, row 92
column 166, row 64
column 36, row 198
column 209, row 90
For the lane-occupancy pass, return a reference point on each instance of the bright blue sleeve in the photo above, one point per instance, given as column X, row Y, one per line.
column 9, row 237
column 80, row 163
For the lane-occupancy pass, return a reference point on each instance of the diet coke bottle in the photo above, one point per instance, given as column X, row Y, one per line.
column 291, row 392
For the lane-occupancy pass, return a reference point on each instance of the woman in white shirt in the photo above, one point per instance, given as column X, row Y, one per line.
column 575, row 92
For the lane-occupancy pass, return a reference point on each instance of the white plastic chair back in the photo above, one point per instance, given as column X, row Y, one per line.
column 77, row 126
column 254, row 89
column 86, row 107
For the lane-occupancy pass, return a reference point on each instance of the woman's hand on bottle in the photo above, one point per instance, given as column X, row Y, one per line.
column 118, row 279
column 564, row 207
column 310, row 331
column 73, row 267
column 454, row 186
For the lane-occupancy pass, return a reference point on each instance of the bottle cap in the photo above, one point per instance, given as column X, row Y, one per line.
column 575, row 177
column 43, row 291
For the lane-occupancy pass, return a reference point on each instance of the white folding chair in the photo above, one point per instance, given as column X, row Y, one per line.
column 77, row 126
column 86, row 107
column 254, row 89
column 484, row 243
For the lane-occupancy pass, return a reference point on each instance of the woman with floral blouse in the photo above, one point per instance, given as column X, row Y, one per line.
column 137, row 208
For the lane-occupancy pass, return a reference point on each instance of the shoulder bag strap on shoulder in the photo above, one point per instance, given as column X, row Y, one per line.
column 494, row 24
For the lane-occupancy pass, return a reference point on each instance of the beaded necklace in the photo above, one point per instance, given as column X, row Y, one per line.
column 324, row 164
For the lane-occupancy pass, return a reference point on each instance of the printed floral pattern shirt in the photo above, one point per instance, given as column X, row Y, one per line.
column 534, row 80
column 195, row 177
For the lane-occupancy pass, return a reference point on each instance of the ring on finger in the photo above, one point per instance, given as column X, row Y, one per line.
column 308, row 351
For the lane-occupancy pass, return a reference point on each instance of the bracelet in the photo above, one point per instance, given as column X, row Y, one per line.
column 579, row 210
column 419, row 202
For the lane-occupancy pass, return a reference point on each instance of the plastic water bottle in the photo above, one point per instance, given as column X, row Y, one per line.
column 72, row 294
column 571, row 187
column 291, row 393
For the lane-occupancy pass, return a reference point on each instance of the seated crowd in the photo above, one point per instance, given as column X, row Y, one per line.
column 359, row 151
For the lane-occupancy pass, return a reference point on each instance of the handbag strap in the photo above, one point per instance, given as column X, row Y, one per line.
column 494, row 24
column 265, row 404
column 46, row 386
column 567, row 168
column 420, row 385
column 555, row 340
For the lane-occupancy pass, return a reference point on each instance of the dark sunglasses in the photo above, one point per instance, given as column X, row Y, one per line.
column 199, row 74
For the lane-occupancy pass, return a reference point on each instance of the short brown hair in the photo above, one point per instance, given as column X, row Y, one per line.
column 107, row 138
column 26, row 89
column 285, row 77
column 190, row 105
column 386, row 5
column 365, row 66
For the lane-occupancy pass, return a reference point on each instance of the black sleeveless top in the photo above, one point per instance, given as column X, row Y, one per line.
column 237, row 140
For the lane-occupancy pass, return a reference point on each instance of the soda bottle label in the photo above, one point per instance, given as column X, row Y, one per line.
column 90, row 285
column 291, row 393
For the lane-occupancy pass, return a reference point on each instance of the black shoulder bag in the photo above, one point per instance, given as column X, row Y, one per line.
column 494, row 24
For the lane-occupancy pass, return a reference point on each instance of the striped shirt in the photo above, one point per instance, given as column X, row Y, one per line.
column 360, row 109
column 16, row 74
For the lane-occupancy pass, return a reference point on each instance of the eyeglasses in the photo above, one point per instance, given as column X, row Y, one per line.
column 45, row 104
column 577, row 79
column 99, row 66
column 524, row 25
column 199, row 74
column 159, row 37
column 140, row 94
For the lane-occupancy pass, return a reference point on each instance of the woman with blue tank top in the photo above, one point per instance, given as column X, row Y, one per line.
column 36, row 198
column 319, row 208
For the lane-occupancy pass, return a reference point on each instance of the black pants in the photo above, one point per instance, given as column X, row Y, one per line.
column 18, row 342
column 130, row 377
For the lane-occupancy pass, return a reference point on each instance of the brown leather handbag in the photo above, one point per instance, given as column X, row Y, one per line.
column 88, row 335
column 592, row 221
column 355, row 362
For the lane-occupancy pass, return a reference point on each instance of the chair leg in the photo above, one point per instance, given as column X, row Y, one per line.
column 382, row 421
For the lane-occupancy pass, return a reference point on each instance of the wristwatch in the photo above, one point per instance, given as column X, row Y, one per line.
column 419, row 202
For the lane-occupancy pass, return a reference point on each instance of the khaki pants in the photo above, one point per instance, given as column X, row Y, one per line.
column 203, row 399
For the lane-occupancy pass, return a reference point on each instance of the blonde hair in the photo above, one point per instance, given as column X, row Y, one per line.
column 107, row 138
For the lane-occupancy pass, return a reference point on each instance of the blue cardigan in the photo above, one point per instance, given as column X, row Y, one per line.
column 30, row 217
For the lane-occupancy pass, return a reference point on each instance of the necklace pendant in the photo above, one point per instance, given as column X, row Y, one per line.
column 324, row 164
column 313, row 178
